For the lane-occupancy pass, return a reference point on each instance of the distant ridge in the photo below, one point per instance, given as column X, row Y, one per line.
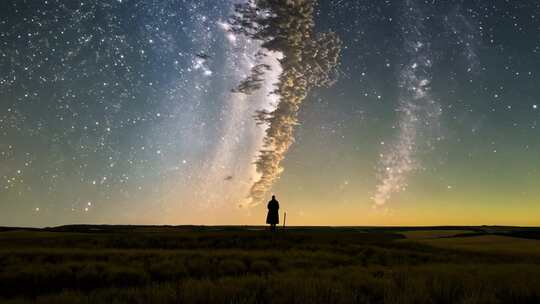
column 514, row 231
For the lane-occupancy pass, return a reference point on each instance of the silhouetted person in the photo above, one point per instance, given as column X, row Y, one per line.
column 273, row 216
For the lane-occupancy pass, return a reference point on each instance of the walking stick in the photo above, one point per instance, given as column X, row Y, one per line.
column 284, row 218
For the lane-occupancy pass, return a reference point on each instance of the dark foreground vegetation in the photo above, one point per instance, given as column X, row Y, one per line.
column 114, row 264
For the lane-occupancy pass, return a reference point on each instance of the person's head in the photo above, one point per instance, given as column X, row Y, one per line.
column 273, row 197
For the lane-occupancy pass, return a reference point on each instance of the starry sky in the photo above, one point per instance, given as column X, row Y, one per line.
column 125, row 112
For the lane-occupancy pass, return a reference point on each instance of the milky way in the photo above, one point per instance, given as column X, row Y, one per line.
column 419, row 115
column 128, row 101
column 417, row 109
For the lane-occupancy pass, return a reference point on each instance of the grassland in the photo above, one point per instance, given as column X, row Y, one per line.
column 433, row 234
column 133, row 264
column 489, row 243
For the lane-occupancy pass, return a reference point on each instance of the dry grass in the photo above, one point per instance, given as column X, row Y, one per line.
column 236, row 265
column 489, row 243
column 432, row 234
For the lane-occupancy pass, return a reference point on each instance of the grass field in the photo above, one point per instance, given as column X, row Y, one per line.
column 134, row 264
column 489, row 243
column 433, row 234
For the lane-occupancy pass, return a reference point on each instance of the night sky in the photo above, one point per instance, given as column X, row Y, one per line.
column 125, row 112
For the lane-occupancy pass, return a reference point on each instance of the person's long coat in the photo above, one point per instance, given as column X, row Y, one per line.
column 273, row 215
